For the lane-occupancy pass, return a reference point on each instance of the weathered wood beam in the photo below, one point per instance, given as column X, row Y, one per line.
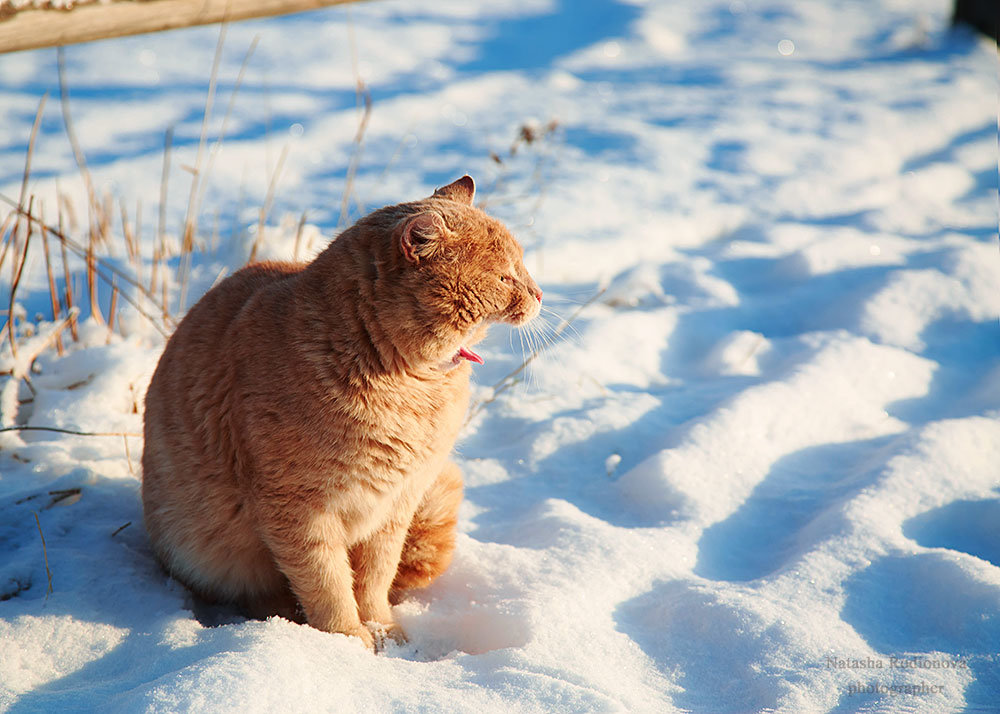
column 32, row 27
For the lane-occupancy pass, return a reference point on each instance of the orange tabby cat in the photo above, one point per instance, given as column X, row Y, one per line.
column 299, row 422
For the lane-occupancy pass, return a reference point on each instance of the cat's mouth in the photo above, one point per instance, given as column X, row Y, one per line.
column 464, row 353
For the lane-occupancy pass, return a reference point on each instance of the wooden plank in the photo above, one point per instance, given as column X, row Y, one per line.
column 31, row 28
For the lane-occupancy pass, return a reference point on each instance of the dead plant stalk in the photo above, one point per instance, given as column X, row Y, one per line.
column 15, row 283
column 53, row 295
column 45, row 553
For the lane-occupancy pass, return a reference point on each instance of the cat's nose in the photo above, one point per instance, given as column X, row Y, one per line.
column 538, row 294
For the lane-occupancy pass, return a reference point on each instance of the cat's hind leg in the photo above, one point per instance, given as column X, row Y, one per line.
column 430, row 540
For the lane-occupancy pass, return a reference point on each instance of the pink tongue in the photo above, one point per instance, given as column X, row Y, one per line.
column 469, row 355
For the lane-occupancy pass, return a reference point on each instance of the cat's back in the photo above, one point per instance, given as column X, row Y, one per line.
column 203, row 328
column 186, row 401
column 196, row 353
column 191, row 499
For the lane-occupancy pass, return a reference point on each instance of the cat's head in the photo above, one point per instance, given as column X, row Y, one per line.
column 462, row 267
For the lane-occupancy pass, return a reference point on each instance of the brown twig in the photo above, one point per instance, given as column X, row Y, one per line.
column 99, row 263
column 154, row 272
column 15, row 283
column 104, row 220
column 31, row 149
column 81, row 160
column 166, row 297
column 266, row 208
column 298, row 235
column 120, row 528
column 225, row 119
column 355, row 163
column 128, row 456
column 168, row 141
column 112, row 308
column 59, row 495
column 363, row 97
column 21, row 367
column 74, row 432
column 406, row 141
column 90, row 259
column 45, row 552
column 191, row 219
column 65, row 203
column 6, row 237
column 68, row 280
column 137, row 240
column 109, row 279
column 128, row 237
column 56, row 312
column 237, row 232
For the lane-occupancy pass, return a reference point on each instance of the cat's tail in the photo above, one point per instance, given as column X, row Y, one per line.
column 430, row 541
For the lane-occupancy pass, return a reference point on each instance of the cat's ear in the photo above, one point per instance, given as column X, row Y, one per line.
column 463, row 190
column 421, row 236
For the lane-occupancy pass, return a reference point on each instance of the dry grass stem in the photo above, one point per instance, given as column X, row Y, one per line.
column 298, row 235
column 225, row 119
column 23, row 258
column 137, row 240
column 237, row 231
column 166, row 314
column 58, row 496
column 22, row 366
column 97, row 264
column 363, row 99
column 128, row 460
column 31, row 149
column 53, row 294
column 355, row 162
column 74, row 432
column 113, row 308
column 191, row 218
column 266, row 208
column 104, row 220
column 7, row 238
column 90, row 258
column 81, row 160
column 131, row 247
column 110, row 280
column 168, row 142
column 154, row 273
column 45, row 552
column 67, row 279
column 120, row 528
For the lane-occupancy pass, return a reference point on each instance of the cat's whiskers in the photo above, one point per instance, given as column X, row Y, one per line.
column 539, row 328
column 562, row 326
column 529, row 335
column 553, row 329
column 538, row 335
column 552, row 298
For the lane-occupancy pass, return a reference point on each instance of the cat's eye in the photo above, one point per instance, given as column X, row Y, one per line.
column 504, row 279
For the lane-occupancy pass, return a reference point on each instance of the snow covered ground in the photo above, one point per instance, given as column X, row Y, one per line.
column 761, row 470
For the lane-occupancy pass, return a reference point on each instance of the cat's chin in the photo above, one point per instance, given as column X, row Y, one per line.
column 523, row 318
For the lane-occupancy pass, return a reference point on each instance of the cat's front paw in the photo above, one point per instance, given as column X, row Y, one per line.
column 383, row 634
column 365, row 635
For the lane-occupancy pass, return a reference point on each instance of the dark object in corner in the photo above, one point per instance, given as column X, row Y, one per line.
column 984, row 15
